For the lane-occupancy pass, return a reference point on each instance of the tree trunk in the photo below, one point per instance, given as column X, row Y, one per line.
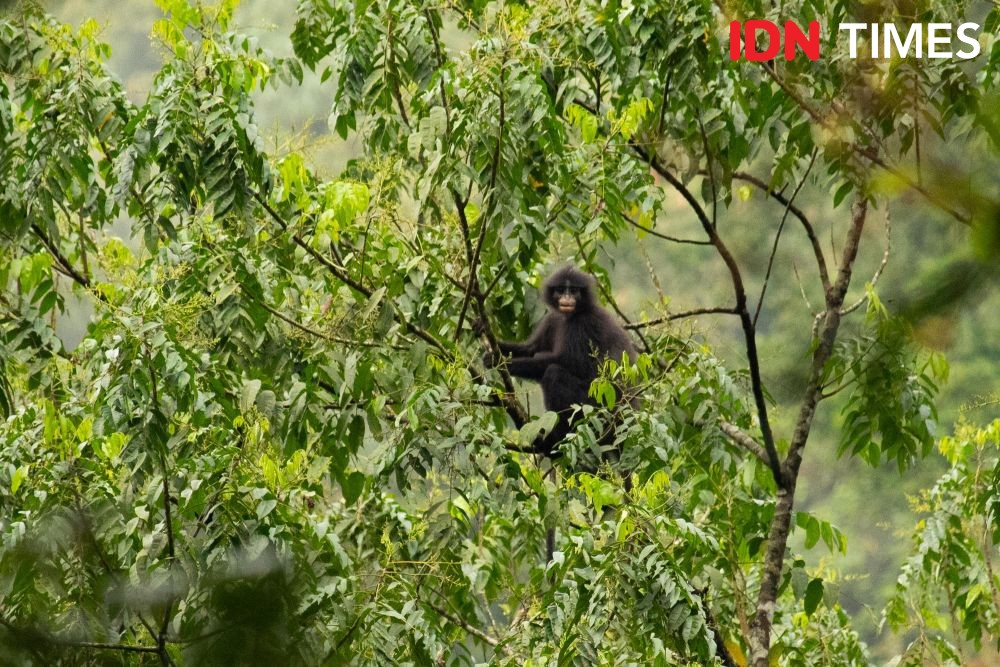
column 777, row 542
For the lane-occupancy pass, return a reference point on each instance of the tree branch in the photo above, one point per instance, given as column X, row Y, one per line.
column 492, row 197
column 777, row 540
column 790, row 207
column 749, row 333
column 682, row 315
column 665, row 237
column 777, row 238
column 878, row 272
column 468, row 627
column 63, row 262
column 743, row 439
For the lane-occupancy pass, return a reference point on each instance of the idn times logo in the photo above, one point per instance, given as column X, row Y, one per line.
column 760, row 39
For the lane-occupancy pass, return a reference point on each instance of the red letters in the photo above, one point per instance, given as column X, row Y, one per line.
column 794, row 37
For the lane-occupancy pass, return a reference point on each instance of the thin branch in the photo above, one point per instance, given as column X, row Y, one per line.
column 127, row 648
column 878, row 272
column 491, row 194
column 777, row 238
column 711, row 173
column 53, row 249
column 749, row 334
column 802, row 289
column 665, row 237
column 463, row 225
column 740, row 437
column 319, row 334
column 824, row 274
column 681, row 315
column 472, row 630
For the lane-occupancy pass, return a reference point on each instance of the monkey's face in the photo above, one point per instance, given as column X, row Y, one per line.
column 566, row 298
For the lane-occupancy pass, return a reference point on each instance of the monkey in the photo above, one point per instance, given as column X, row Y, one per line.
column 565, row 351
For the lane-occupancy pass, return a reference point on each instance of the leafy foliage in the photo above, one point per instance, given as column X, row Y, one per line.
column 274, row 443
column 947, row 590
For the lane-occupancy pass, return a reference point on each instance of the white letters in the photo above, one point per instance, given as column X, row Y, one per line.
column 853, row 28
column 933, row 40
column 971, row 41
column 890, row 42
column 903, row 48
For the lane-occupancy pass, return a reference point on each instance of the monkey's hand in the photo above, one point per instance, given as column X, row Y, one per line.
column 490, row 359
column 480, row 326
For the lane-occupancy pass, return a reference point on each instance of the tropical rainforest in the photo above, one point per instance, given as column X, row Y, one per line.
column 253, row 257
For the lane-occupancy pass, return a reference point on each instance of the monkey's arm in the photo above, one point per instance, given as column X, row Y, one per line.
column 515, row 349
column 538, row 341
column 532, row 368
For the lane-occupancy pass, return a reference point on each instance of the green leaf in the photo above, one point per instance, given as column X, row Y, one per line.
column 814, row 595
column 20, row 474
column 352, row 487
column 265, row 507
column 248, row 394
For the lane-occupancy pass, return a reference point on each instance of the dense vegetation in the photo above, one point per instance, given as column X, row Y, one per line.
column 276, row 443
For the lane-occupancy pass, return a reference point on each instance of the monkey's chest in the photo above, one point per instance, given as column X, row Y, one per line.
column 581, row 343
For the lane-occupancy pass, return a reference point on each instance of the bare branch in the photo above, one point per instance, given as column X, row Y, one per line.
column 682, row 315
column 319, row 334
column 743, row 439
column 777, row 238
column 878, row 272
column 468, row 627
column 749, row 333
column 665, row 237
column 790, row 207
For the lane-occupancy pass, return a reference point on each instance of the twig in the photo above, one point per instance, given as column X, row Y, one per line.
column 821, row 266
column 743, row 439
column 777, row 237
column 472, row 630
column 682, row 315
column 878, row 272
column 665, row 237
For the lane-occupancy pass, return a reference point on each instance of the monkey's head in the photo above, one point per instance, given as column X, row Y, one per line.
column 569, row 291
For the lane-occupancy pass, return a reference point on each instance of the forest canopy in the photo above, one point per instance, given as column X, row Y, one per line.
column 276, row 442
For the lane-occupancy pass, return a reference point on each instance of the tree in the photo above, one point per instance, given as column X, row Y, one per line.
column 275, row 443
